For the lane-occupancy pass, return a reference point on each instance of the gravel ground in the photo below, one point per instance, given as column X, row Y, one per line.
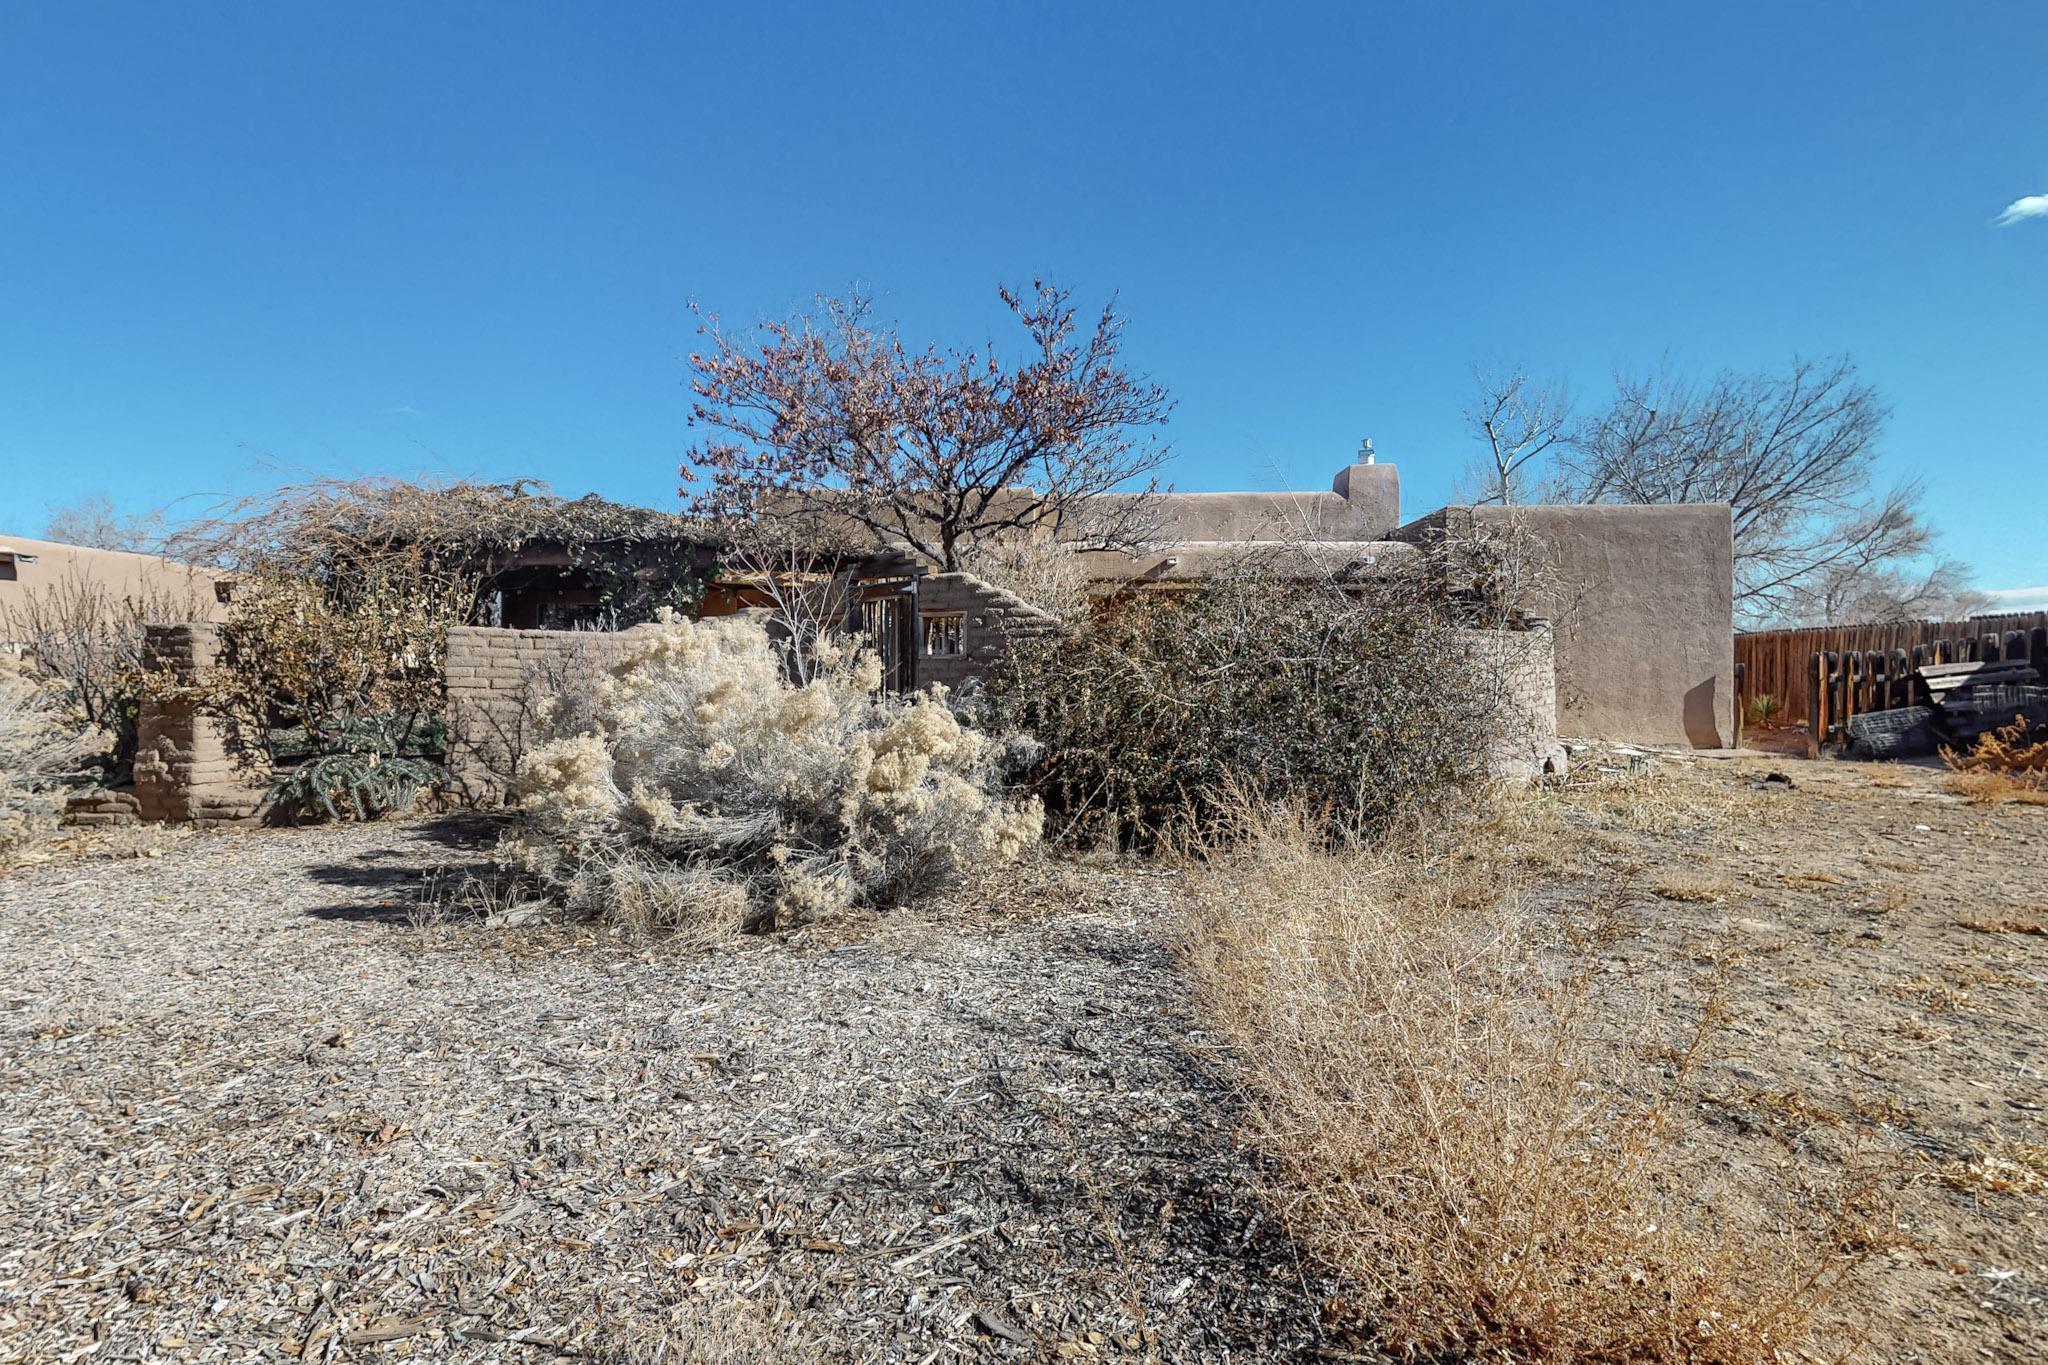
column 252, row 1110
column 1880, row 947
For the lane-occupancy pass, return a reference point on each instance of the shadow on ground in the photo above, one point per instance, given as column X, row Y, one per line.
column 423, row 860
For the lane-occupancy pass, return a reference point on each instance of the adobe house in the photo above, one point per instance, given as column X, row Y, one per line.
column 1639, row 647
column 1641, row 611
column 1641, row 604
column 37, row 568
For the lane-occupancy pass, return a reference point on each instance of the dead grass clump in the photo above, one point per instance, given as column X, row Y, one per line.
column 2009, row 764
column 1695, row 889
column 2005, row 1166
column 1991, row 789
column 1468, row 1131
column 2032, row 920
column 1653, row 801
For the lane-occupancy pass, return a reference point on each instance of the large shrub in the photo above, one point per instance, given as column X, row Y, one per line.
column 42, row 740
column 1362, row 702
column 710, row 791
column 339, row 688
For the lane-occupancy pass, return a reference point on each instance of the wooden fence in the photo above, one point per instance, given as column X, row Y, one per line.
column 1842, row 670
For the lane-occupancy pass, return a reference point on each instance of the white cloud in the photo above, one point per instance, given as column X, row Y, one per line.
column 403, row 410
column 2019, row 210
column 2019, row 599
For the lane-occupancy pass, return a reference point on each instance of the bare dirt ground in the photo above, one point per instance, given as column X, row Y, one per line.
column 250, row 1110
column 1878, row 945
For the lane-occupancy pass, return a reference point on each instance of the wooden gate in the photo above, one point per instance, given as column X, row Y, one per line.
column 888, row 620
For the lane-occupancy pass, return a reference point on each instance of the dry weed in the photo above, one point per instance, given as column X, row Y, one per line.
column 1695, row 889
column 1468, row 1131
column 2010, row 764
column 2032, row 920
column 2005, row 1166
column 1990, row 789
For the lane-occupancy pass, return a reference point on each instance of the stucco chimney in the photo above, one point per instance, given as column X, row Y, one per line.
column 1374, row 492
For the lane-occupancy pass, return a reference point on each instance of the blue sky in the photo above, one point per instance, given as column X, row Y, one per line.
column 462, row 238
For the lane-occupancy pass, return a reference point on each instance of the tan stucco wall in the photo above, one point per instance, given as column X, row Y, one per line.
column 40, row 565
column 1197, row 561
column 1363, row 504
column 1644, row 615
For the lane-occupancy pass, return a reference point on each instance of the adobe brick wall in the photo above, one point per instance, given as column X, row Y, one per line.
column 103, row 807
column 499, row 684
column 183, row 768
column 993, row 618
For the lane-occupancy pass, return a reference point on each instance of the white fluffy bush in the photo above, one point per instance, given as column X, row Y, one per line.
column 713, row 793
column 40, row 741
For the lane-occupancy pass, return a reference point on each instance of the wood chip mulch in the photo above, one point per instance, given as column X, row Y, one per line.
column 251, row 1109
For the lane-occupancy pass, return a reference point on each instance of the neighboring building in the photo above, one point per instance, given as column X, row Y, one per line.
column 41, row 567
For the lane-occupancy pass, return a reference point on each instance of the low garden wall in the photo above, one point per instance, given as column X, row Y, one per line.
column 1522, row 664
column 500, row 683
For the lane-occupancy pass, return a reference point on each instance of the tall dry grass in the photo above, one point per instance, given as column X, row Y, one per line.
column 1473, row 1126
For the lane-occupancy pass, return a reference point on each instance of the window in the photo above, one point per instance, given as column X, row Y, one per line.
column 945, row 633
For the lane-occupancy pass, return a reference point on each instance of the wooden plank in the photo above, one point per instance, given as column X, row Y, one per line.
column 1976, row 666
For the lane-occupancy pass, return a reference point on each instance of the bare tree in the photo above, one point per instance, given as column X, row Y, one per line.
column 1520, row 424
column 1863, row 591
column 91, row 521
column 829, row 418
column 1793, row 455
column 808, row 597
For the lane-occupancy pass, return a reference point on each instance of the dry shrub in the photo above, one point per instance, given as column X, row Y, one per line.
column 1369, row 701
column 43, row 740
column 2009, row 764
column 1468, row 1131
column 711, row 792
column 326, row 531
column 338, row 686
